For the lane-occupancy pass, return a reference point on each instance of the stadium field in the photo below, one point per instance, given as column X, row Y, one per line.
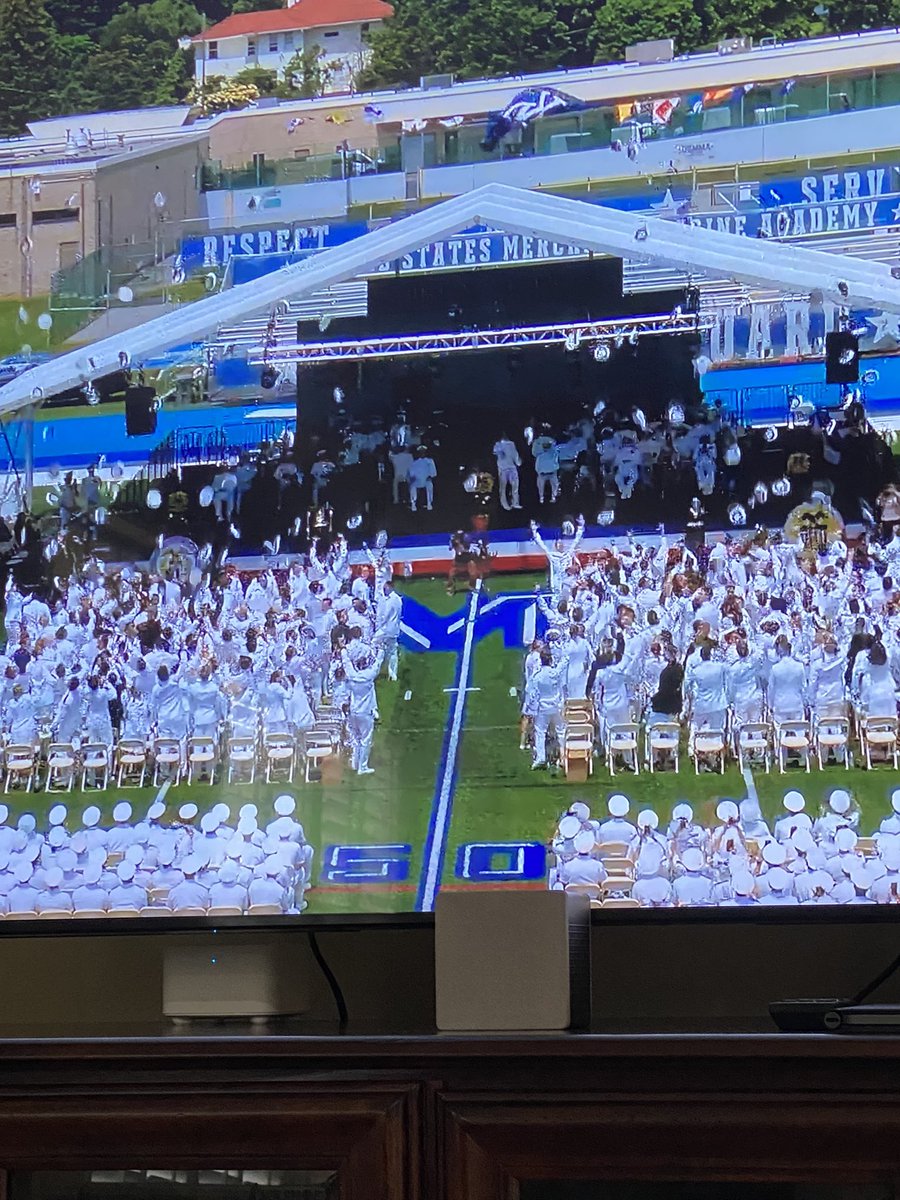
column 453, row 802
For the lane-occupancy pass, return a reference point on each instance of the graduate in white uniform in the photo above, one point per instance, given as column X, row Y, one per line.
column 544, row 702
column 363, row 706
column 422, row 473
column 388, row 612
column 508, row 463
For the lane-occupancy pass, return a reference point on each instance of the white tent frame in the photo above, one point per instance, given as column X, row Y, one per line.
column 761, row 263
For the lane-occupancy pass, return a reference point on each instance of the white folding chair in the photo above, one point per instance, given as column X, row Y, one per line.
column 754, row 744
column 201, row 757
column 21, row 767
column 880, row 736
column 591, row 890
column 833, row 737
column 578, row 752
column 241, row 759
column 167, row 760
column 319, row 746
column 708, row 745
column 792, row 740
column 622, row 740
column 279, row 751
column 265, row 910
column 662, row 742
column 61, row 764
column 95, row 757
column 131, row 762
column 618, row 884
column 620, row 902
column 56, row 914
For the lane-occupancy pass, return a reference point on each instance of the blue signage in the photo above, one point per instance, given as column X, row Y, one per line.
column 216, row 249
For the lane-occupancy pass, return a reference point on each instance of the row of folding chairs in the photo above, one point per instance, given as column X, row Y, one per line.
column 222, row 910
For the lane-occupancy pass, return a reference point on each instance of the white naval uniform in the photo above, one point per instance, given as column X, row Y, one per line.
column 508, row 463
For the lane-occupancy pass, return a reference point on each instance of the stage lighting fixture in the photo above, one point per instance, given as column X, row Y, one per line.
column 781, row 487
column 91, row 395
column 206, row 496
column 269, row 377
column 737, row 514
column 770, row 433
column 676, row 413
column 641, row 233
column 154, row 498
column 573, row 340
column 760, row 492
column 606, row 516
column 601, row 352
column 355, row 521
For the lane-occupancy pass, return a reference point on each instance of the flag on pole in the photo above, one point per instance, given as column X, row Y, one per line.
column 717, row 96
column 623, row 111
column 662, row 110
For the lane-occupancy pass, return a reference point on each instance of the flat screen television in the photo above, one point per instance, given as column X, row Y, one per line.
column 497, row 600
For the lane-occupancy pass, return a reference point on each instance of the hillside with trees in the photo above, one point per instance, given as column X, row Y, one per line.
column 71, row 56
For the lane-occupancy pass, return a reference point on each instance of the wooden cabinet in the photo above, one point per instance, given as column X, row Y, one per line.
column 452, row 1118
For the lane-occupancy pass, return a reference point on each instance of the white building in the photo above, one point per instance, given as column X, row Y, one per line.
column 339, row 28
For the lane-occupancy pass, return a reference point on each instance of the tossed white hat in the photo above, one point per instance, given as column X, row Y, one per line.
column 839, row 801
column 188, row 812
column 727, row 810
column 618, row 805
column 584, row 841
column 57, row 814
column 648, row 818
column 122, row 811
column 90, row 817
column 682, row 812
column 692, row 859
column 125, row 871
column 794, row 802
column 284, row 805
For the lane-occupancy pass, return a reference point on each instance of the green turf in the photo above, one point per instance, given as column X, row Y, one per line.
column 498, row 797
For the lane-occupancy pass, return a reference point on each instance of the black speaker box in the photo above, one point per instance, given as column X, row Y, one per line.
column 841, row 357
column 140, row 411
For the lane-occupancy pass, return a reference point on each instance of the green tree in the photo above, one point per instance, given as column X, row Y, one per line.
column 264, row 80
column 306, row 74
column 862, row 14
column 620, row 23
column 28, row 64
column 244, row 6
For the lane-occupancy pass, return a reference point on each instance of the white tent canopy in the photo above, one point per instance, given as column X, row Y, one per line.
column 758, row 262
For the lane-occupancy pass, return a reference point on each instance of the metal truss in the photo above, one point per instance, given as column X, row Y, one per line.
column 587, row 334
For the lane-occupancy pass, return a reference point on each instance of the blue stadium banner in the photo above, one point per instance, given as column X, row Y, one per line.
column 216, row 249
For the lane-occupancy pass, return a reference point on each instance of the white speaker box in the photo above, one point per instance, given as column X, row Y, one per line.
column 511, row 960
column 221, row 978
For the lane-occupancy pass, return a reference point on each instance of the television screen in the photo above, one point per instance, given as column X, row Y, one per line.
column 384, row 615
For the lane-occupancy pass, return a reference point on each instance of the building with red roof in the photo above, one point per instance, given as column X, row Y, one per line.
column 338, row 28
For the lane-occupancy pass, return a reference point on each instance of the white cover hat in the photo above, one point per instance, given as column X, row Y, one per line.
column 569, row 826
column 779, row 879
column 93, row 872
column 156, row 810
column 188, row 812
column 584, row 841
column 839, row 801
column 648, row 818
column 742, row 883
column 794, row 802
column 125, row 871
column 774, row 854
column 845, row 839
column 580, row 810
column 58, row 814
column 284, row 805
column 90, row 817
column 122, row 811
column 228, row 872
column 618, row 805
column 4, row 814
column 692, row 859
column 682, row 812
column 895, row 800
column 727, row 810
column 53, row 877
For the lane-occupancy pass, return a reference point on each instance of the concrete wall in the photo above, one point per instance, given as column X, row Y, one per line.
column 127, row 184
column 234, row 140
column 29, row 274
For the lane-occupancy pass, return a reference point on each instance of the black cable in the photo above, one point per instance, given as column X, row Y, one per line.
column 339, row 1002
column 879, row 979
